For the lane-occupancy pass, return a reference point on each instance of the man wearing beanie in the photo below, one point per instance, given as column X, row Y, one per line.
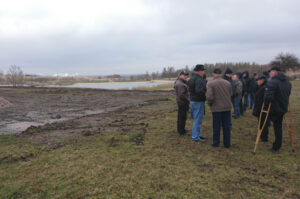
column 228, row 76
column 197, row 90
column 218, row 97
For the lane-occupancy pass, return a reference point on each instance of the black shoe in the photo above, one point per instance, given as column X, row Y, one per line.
column 200, row 140
column 201, row 137
column 274, row 151
column 187, row 134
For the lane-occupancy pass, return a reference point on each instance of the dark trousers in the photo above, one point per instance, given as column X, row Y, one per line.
column 246, row 101
column 277, row 124
column 236, row 107
column 221, row 119
column 181, row 118
column 265, row 131
column 252, row 99
column 242, row 106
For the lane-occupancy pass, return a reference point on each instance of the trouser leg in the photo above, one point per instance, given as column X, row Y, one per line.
column 241, row 106
column 181, row 119
column 226, row 121
column 216, row 128
column 277, row 123
column 265, row 131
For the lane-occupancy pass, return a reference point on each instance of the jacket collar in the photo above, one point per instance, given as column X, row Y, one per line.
column 218, row 77
column 182, row 80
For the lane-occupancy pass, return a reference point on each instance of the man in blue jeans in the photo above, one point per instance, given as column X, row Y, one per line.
column 218, row 97
column 197, row 88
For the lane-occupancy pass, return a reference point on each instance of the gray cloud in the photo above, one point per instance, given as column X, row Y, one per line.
column 171, row 33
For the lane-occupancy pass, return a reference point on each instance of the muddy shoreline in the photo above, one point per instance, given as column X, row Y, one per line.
column 32, row 107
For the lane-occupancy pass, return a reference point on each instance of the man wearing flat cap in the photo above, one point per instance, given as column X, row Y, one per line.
column 259, row 100
column 218, row 97
column 197, row 90
column 183, row 100
column 277, row 92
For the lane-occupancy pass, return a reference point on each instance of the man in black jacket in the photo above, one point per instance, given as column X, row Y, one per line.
column 259, row 100
column 278, row 90
column 197, row 90
column 247, row 90
column 228, row 76
column 243, row 92
column 183, row 100
column 253, row 88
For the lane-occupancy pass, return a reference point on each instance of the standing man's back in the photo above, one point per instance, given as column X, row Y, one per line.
column 218, row 97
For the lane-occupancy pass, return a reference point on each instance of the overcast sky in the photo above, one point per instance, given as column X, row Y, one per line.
column 97, row 37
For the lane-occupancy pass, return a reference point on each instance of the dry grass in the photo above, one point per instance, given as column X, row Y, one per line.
column 154, row 162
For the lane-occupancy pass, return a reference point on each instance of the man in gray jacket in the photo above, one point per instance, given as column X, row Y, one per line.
column 237, row 95
column 218, row 97
column 183, row 100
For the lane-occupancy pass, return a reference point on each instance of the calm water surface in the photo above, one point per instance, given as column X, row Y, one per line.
column 116, row 86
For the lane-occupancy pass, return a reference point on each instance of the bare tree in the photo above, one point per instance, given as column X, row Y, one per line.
column 15, row 76
column 286, row 61
column 2, row 78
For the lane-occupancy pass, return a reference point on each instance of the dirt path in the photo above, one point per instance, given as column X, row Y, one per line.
column 40, row 106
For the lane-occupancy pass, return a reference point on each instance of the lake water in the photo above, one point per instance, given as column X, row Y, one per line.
column 115, row 85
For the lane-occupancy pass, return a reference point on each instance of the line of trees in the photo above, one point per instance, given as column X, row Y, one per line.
column 286, row 61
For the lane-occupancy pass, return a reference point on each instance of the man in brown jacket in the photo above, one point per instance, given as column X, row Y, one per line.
column 183, row 100
column 218, row 97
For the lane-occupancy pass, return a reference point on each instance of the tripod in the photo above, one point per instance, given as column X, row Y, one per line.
column 259, row 130
column 289, row 126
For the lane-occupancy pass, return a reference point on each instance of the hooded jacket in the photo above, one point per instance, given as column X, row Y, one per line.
column 230, row 81
column 278, row 90
column 197, row 88
column 253, row 85
column 247, row 82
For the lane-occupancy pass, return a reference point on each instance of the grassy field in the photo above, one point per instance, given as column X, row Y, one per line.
column 149, row 160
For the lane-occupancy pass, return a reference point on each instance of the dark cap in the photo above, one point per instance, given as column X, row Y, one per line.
column 228, row 71
column 275, row 68
column 183, row 73
column 199, row 67
column 266, row 73
column 262, row 77
column 217, row 71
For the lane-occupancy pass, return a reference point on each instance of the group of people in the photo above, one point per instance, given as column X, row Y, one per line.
column 227, row 90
